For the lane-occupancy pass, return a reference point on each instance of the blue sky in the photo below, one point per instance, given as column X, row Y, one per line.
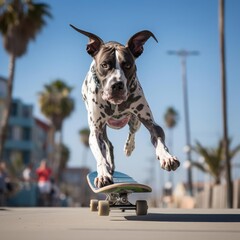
column 59, row 52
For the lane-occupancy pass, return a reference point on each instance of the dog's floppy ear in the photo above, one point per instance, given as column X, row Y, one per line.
column 94, row 43
column 136, row 42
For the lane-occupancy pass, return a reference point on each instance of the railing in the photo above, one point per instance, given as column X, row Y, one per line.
column 215, row 196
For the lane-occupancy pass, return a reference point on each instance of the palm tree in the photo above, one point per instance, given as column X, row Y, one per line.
column 171, row 118
column 214, row 159
column 56, row 104
column 20, row 22
column 84, row 137
column 65, row 154
column 224, row 103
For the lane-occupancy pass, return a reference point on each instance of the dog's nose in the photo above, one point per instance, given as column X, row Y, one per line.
column 118, row 86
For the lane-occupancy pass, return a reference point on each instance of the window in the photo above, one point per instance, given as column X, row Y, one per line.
column 26, row 157
column 26, row 134
column 14, row 109
column 9, row 132
column 26, row 112
column 16, row 133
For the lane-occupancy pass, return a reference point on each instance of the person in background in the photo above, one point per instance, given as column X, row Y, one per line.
column 44, row 184
column 28, row 173
column 3, row 183
column 28, row 176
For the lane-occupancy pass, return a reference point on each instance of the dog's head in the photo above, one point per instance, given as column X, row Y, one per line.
column 114, row 66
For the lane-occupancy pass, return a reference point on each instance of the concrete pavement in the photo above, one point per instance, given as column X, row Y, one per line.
column 80, row 223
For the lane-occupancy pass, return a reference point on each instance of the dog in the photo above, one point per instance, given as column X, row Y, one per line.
column 114, row 97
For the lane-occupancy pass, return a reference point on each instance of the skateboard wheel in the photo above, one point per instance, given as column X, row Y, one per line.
column 93, row 205
column 103, row 208
column 141, row 207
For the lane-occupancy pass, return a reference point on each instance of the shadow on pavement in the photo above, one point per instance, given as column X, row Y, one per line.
column 4, row 209
column 163, row 217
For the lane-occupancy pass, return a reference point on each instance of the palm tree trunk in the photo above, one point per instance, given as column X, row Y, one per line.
column 187, row 125
column 170, row 147
column 59, row 155
column 8, row 103
column 51, row 139
column 84, row 156
column 224, row 105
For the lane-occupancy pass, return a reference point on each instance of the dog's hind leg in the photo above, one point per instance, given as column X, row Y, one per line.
column 134, row 125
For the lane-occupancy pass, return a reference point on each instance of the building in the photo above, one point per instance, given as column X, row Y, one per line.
column 28, row 138
column 75, row 185
column 19, row 143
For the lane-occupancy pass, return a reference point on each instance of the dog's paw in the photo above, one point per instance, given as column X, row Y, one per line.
column 169, row 163
column 102, row 181
column 129, row 145
column 105, row 175
column 128, row 148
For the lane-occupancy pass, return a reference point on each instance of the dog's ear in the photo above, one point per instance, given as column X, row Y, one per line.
column 94, row 43
column 136, row 42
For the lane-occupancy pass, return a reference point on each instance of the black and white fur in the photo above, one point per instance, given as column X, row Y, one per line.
column 114, row 98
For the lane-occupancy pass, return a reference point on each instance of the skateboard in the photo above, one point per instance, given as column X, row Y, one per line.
column 117, row 194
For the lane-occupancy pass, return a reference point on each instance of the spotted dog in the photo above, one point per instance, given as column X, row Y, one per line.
column 114, row 98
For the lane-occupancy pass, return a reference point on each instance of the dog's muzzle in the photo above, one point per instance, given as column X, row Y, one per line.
column 117, row 87
column 116, row 94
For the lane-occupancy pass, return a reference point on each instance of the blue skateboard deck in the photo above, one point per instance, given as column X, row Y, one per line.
column 122, row 183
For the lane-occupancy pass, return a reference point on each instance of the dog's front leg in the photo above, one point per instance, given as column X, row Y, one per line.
column 167, row 161
column 105, row 166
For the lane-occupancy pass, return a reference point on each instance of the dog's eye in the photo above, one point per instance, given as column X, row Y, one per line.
column 104, row 65
column 127, row 65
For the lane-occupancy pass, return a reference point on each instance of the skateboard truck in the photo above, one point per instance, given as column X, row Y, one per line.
column 119, row 200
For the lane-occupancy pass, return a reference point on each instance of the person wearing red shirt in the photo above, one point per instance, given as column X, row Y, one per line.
column 43, row 178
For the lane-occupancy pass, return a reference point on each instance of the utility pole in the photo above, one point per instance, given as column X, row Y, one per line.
column 183, row 54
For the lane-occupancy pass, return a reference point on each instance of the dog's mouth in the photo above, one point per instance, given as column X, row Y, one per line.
column 116, row 101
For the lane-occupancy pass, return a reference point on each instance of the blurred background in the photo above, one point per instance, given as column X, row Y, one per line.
column 190, row 79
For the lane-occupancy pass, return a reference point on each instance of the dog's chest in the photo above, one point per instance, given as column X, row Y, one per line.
column 118, row 121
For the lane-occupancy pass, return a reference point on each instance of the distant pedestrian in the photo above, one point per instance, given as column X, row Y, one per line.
column 44, row 184
column 28, row 176
column 3, row 183
column 54, row 193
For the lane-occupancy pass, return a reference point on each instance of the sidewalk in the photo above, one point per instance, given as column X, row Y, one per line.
column 80, row 223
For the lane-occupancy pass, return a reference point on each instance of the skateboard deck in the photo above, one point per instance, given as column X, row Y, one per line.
column 121, row 183
column 117, row 194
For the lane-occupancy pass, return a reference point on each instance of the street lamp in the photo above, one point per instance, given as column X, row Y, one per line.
column 183, row 54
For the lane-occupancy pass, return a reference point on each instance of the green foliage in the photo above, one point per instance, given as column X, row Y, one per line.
column 214, row 162
column 16, row 167
column 55, row 102
column 171, row 117
column 20, row 21
column 84, row 136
